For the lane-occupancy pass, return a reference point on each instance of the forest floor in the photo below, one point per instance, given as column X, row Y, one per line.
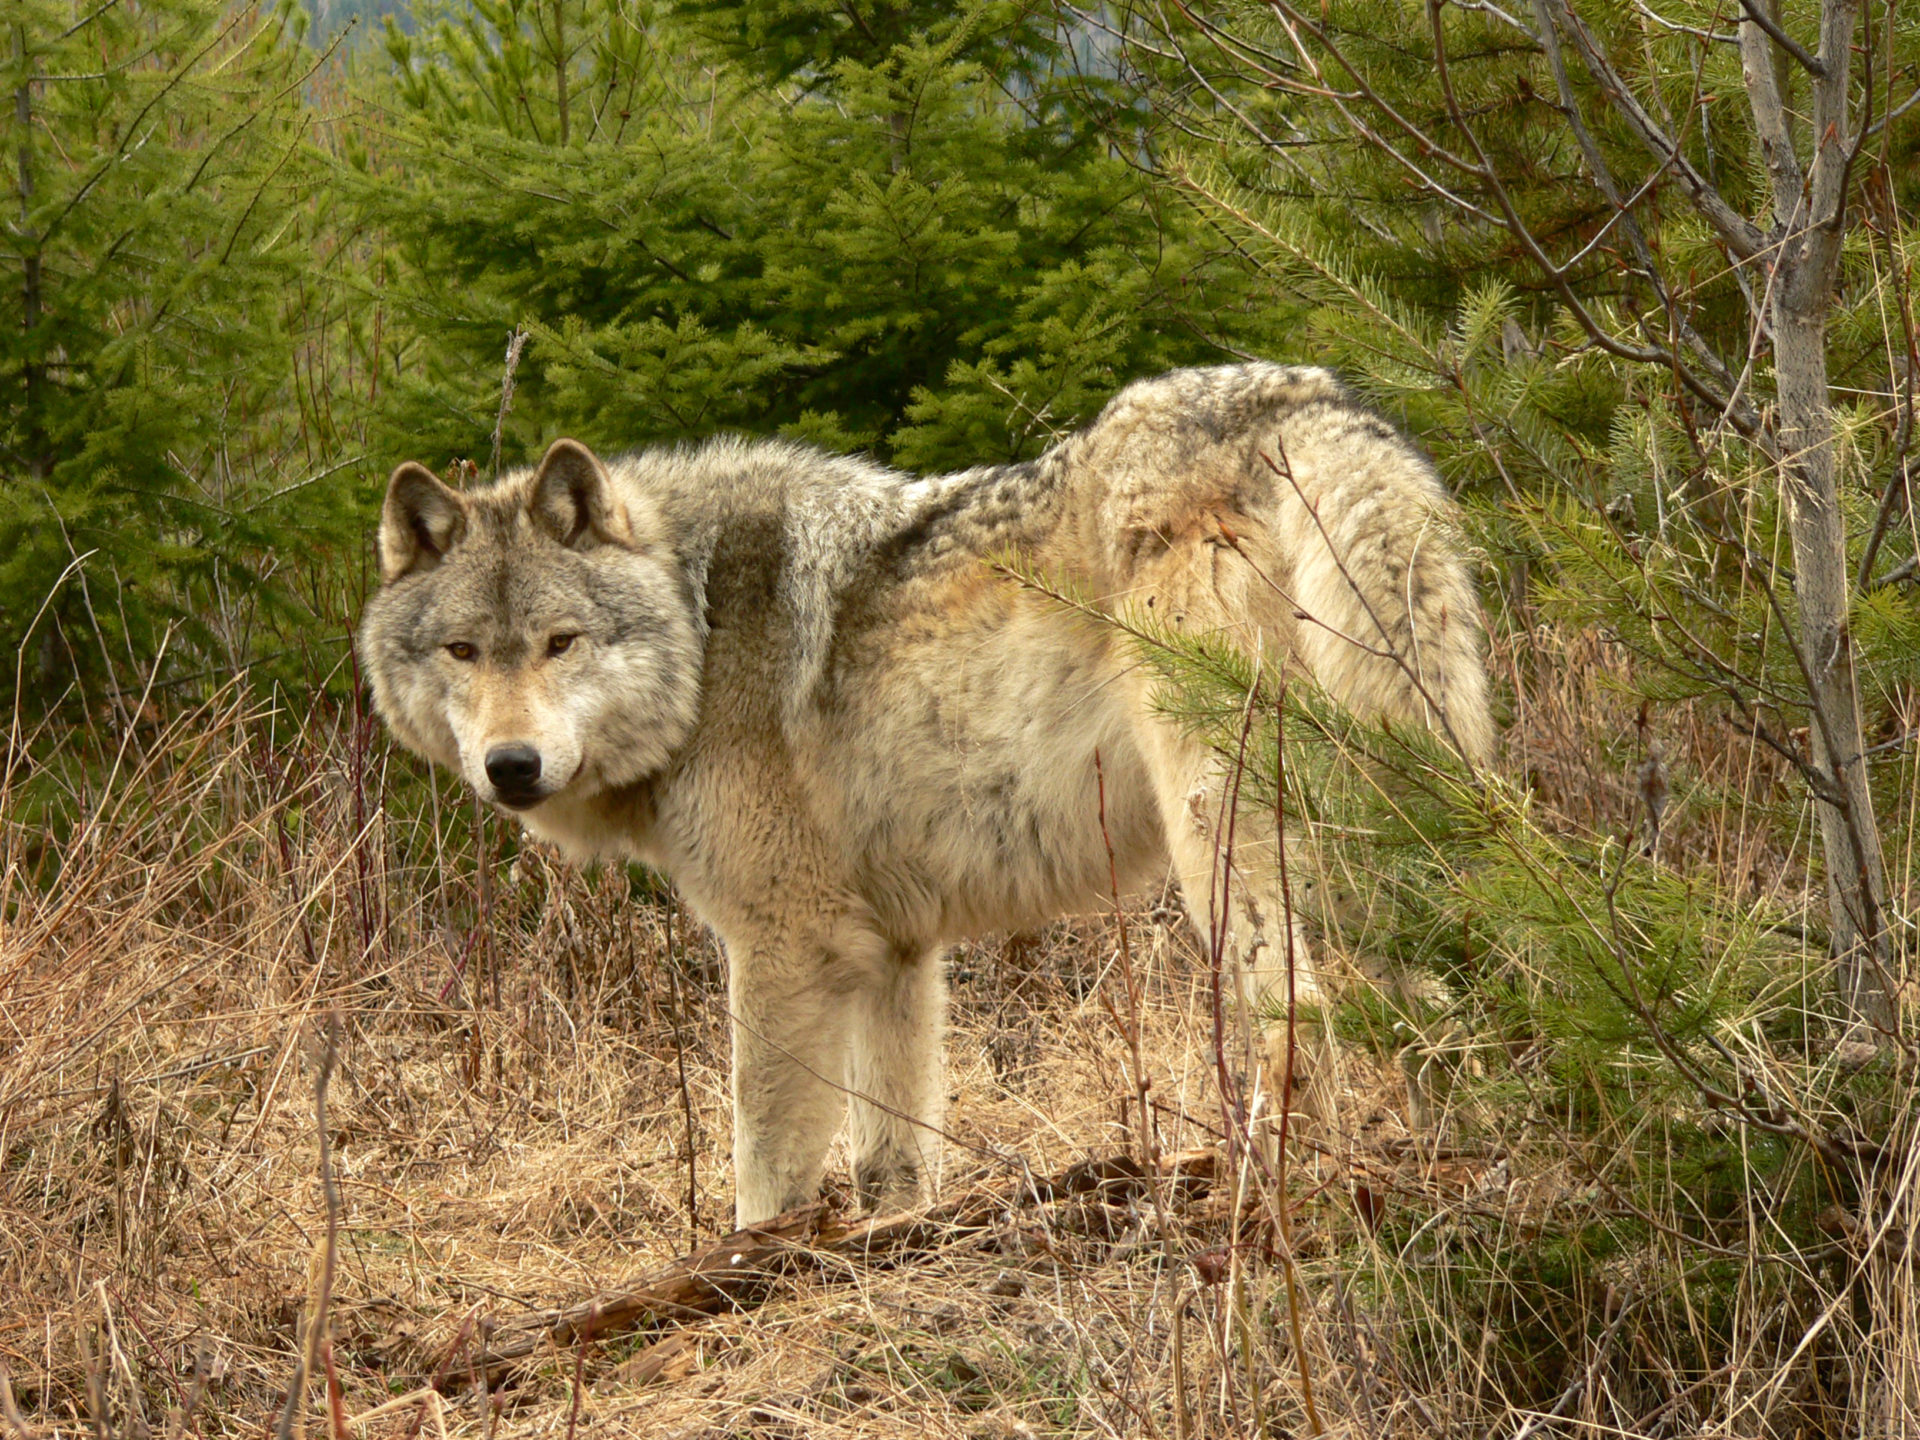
column 528, row 1114
column 527, row 1107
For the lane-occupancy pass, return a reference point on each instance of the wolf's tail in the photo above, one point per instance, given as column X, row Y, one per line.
column 1347, row 527
column 1387, row 620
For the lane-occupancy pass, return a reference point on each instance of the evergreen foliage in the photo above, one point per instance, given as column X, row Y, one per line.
column 147, row 408
column 904, row 235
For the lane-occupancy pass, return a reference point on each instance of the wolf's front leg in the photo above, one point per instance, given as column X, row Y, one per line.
column 1228, row 859
column 790, row 1026
column 898, row 1080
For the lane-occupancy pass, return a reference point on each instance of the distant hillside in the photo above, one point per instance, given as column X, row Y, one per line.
column 330, row 16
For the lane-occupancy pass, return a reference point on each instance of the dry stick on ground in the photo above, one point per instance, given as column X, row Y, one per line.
column 1149, row 1140
column 311, row 1351
column 737, row 1272
column 686, row 1095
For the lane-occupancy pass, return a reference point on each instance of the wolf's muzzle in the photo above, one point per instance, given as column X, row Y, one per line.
column 515, row 773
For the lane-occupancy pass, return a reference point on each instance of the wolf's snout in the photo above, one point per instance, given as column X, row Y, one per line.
column 515, row 772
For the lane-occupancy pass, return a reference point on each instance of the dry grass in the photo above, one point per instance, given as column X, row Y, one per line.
column 529, row 1105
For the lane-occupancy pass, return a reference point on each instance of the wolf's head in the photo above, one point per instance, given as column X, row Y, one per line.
column 538, row 636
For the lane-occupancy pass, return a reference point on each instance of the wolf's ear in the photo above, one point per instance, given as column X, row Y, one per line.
column 573, row 498
column 421, row 521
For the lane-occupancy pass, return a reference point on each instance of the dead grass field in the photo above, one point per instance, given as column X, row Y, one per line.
column 528, row 1107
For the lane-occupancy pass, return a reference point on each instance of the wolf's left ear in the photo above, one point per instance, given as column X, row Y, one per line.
column 573, row 498
column 420, row 521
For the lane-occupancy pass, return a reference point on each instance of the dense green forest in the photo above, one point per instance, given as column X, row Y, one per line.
column 1637, row 273
column 261, row 263
column 260, row 252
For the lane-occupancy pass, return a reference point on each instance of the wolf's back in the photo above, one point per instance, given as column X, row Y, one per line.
column 1358, row 567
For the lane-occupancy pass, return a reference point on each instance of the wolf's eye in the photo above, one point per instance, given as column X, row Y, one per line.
column 560, row 644
column 460, row 650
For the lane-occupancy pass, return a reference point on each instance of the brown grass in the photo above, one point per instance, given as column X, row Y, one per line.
column 509, row 1130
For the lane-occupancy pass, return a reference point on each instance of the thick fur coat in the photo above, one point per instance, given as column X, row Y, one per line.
column 797, row 684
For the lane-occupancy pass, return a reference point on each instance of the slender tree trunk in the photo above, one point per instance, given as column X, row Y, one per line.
column 32, row 372
column 560, row 63
column 1850, row 840
column 1809, row 209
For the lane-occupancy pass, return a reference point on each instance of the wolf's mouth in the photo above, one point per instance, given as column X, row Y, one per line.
column 519, row 799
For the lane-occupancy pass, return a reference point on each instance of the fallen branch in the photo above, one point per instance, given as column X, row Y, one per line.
column 739, row 1271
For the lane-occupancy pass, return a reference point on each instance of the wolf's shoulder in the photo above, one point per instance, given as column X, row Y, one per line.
column 787, row 540
column 736, row 477
column 818, row 520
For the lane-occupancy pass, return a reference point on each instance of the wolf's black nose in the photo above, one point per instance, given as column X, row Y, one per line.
column 513, row 769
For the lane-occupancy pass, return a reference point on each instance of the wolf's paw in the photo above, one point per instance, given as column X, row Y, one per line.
column 1433, row 1065
column 885, row 1186
column 1317, row 1087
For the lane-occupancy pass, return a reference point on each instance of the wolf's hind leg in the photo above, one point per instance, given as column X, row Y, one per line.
column 895, row 1074
column 789, row 1062
column 1228, row 859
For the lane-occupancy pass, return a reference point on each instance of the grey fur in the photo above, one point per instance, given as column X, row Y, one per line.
column 800, row 689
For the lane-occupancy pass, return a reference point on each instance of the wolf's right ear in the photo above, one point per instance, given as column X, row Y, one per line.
column 421, row 521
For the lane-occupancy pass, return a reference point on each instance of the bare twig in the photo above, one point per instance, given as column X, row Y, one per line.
column 292, row 1414
column 739, row 1270
column 1758, row 15
column 686, row 1094
column 516, row 345
column 1289, row 1268
column 1582, row 1382
column 10, row 1411
column 584, row 1339
column 1148, row 1134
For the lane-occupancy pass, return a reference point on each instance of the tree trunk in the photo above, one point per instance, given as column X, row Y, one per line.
column 1850, row 841
column 1809, row 208
column 560, row 66
column 33, row 374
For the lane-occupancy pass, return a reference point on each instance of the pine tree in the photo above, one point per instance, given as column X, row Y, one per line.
column 901, row 234
column 1573, row 248
column 152, row 151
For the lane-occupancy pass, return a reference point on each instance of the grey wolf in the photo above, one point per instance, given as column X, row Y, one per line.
column 794, row 682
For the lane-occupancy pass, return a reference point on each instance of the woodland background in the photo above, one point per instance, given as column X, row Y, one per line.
column 1632, row 1143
